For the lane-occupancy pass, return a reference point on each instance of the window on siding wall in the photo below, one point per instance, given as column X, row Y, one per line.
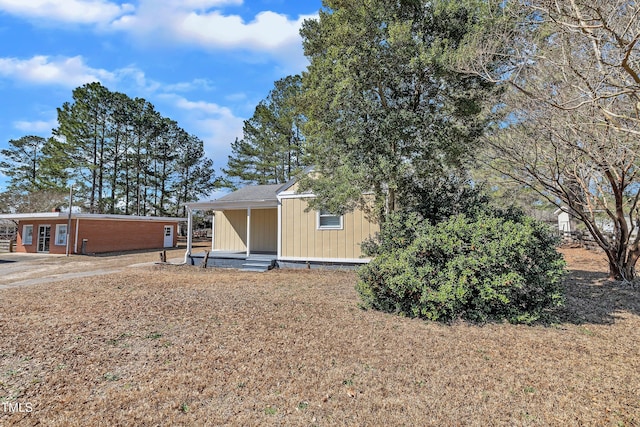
column 61, row 234
column 27, row 235
column 329, row 221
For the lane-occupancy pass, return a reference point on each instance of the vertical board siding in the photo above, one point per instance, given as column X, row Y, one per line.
column 302, row 239
column 264, row 230
column 231, row 230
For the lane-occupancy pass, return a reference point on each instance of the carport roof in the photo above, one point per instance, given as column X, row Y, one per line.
column 251, row 196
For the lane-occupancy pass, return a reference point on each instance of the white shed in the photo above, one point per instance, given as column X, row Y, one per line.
column 566, row 224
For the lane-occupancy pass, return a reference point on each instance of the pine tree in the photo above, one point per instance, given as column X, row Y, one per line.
column 272, row 148
column 22, row 163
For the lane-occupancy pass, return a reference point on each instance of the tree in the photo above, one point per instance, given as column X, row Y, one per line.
column 195, row 175
column 386, row 113
column 22, row 163
column 573, row 112
column 271, row 150
column 37, row 200
column 123, row 156
column 84, row 127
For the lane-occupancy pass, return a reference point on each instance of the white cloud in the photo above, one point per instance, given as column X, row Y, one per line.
column 202, row 23
column 38, row 127
column 76, row 11
column 216, row 125
column 203, row 107
column 196, row 84
column 268, row 31
column 63, row 71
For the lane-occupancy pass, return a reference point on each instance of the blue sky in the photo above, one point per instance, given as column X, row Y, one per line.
column 204, row 63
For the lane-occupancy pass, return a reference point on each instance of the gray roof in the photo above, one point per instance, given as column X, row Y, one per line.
column 253, row 193
column 251, row 196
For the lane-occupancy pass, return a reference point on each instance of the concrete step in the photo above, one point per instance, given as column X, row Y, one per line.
column 255, row 269
column 259, row 264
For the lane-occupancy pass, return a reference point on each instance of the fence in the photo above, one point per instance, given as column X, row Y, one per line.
column 581, row 238
column 6, row 245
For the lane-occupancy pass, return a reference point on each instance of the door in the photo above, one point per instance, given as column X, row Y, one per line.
column 168, row 236
column 44, row 238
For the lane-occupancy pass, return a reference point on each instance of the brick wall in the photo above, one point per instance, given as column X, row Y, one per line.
column 102, row 235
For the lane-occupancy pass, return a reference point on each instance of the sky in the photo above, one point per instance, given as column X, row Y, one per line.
column 203, row 63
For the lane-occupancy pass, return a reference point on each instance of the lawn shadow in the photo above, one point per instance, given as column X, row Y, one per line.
column 592, row 298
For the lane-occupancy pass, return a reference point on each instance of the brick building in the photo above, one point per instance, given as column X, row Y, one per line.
column 92, row 233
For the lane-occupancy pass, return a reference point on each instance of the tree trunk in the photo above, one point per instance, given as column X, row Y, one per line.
column 623, row 267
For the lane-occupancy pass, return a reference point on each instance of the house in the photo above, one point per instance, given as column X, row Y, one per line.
column 274, row 221
column 566, row 223
column 48, row 232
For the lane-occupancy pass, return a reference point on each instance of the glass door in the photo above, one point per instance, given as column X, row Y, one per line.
column 44, row 238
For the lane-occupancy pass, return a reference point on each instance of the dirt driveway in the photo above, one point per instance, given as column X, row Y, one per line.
column 18, row 269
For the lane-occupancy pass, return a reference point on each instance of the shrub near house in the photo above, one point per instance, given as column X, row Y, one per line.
column 500, row 266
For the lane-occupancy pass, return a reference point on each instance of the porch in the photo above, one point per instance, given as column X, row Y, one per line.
column 234, row 259
column 245, row 226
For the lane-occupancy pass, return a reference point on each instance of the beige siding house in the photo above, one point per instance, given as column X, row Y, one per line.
column 275, row 220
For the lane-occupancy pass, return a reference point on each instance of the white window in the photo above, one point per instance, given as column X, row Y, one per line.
column 27, row 235
column 329, row 221
column 61, row 234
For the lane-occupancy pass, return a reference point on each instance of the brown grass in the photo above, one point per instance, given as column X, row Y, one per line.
column 170, row 345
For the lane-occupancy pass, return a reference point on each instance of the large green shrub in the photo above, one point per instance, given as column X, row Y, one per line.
column 494, row 266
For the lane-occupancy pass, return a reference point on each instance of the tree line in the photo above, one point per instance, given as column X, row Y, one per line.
column 120, row 155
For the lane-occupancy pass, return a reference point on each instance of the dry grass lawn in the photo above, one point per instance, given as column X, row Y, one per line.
column 169, row 345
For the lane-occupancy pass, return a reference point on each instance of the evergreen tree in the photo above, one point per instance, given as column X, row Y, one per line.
column 386, row 113
column 271, row 150
column 120, row 155
column 195, row 174
column 22, row 163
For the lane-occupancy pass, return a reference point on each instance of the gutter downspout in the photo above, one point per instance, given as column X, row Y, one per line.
column 75, row 241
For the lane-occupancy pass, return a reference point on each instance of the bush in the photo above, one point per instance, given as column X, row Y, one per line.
column 495, row 266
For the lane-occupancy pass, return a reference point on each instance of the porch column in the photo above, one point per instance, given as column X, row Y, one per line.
column 187, row 254
column 248, row 231
column 279, row 238
column 213, row 231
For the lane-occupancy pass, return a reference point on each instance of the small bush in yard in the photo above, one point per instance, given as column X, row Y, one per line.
column 494, row 266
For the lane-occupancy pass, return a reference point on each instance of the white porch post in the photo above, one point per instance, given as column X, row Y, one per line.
column 248, row 231
column 279, row 247
column 213, row 231
column 187, row 254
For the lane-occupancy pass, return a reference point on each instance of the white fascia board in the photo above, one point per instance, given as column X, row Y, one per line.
column 65, row 215
column 127, row 217
column 224, row 206
column 37, row 215
column 294, row 195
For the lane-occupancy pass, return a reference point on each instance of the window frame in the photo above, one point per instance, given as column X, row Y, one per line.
column 63, row 242
column 323, row 213
column 24, row 234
